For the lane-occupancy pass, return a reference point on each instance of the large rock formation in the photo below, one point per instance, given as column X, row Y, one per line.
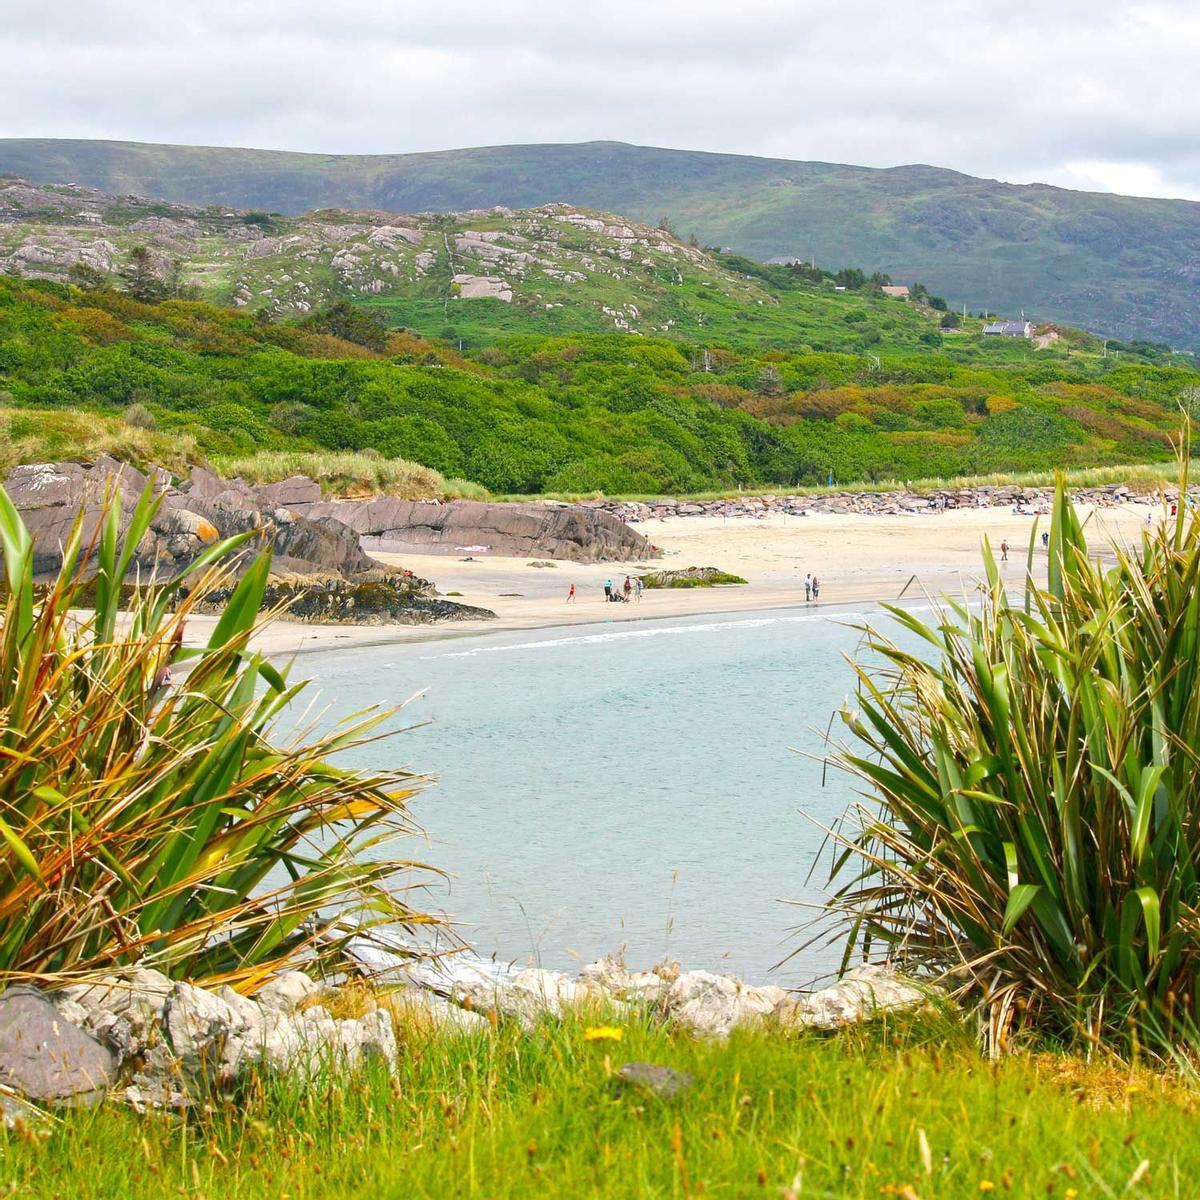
column 319, row 562
column 520, row 530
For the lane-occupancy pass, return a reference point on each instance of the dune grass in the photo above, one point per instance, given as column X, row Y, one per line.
column 29, row 435
column 907, row 1110
column 351, row 474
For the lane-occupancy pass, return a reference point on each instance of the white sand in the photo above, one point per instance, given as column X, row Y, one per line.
column 855, row 557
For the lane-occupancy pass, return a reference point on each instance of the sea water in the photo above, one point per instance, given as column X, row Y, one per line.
column 655, row 787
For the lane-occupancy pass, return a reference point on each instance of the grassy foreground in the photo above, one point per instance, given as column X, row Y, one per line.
column 909, row 1110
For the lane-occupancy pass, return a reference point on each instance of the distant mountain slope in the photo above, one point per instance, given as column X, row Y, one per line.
column 1117, row 264
column 474, row 275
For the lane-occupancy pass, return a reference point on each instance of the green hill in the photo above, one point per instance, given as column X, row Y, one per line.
column 574, row 413
column 470, row 276
column 1120, row 265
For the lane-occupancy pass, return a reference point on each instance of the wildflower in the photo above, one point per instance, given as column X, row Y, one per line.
column 603, row 1033
column 986, row 1185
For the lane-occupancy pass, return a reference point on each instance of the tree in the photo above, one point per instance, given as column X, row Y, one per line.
column 342, row 320
column 950, row 321
column 88, row 278
column 141, row 276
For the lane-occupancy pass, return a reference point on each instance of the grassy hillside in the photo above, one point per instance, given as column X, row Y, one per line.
column 1120, row 265
column 472, row 276
column 574, row 413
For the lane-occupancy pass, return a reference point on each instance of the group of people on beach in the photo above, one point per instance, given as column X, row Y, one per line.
column 812, row 587
column 631, row 589
column 623, row 593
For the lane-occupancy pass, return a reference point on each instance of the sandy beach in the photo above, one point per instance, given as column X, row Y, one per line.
column 857, row 558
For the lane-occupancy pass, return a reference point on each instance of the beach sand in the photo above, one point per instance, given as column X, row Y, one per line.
column 857, row 558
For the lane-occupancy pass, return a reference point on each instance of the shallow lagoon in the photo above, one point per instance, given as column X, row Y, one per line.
column 641, row 786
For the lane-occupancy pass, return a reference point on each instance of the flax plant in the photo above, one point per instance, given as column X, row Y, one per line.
column 163, row 821
column 1032, row 827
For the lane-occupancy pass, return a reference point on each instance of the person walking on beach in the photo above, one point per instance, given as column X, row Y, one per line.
column 570, row 593
column 807, row 586
column 608, row 589
column 637, row 588
column 1004, row 551
column 628, row 587
column 816, row 588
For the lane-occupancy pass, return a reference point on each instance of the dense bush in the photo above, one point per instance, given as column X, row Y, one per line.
column 585, row 412
column 1033, row 771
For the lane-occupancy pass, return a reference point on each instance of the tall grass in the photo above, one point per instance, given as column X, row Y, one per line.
column 351, row 474
column 48, row 435
column 148, row 819
column 1035, row 775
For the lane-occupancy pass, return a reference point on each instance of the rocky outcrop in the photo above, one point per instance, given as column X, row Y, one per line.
column 321, row 570
column 555, row 531
column 377, row 597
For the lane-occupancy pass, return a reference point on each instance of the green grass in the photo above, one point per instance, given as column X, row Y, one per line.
column 350, row 474
column 863, row 1114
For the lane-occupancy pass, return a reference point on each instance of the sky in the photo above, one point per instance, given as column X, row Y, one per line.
column 1095, row 95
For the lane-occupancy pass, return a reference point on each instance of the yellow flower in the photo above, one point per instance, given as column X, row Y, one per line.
column 1070, row 1193
column 603, row 1033
column 986, row 1185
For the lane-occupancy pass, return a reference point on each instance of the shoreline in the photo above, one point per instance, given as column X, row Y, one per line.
column 870, row 560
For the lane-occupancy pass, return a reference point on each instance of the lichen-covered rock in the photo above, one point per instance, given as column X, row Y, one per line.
column 653, row 1079
column 611, row 979
column 47, row 1059
column 526, row 996
column 288, row 990
column 860, row 994
column 715, row 1005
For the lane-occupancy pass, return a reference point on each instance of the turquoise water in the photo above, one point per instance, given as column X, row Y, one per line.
column 636, row 785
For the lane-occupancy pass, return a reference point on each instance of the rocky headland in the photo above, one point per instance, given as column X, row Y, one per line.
column 322, row 568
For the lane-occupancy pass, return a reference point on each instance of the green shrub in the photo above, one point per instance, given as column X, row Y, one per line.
column 1036, row 769
column 165, row 824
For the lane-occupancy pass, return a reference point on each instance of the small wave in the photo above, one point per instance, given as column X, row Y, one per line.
column 653, row 629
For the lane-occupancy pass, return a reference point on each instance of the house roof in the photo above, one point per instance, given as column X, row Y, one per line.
column 1012, row 327
column 895, row 290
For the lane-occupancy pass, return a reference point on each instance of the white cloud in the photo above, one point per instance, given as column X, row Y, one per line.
column 1081, row 94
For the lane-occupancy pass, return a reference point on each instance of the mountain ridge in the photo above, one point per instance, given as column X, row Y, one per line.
column 1126, row 266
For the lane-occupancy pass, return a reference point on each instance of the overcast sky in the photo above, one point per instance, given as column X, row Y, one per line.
column 1098, row 95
